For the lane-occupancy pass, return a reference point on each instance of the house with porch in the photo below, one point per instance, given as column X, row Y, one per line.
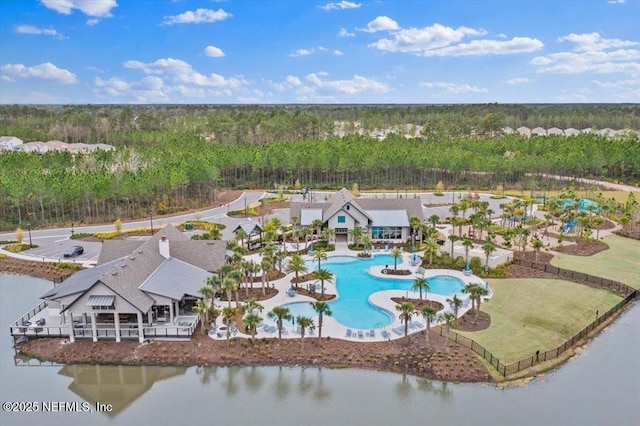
column 382, row 219
column 139, row 289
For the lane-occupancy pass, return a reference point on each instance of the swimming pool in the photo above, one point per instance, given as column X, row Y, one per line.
column 354, row 285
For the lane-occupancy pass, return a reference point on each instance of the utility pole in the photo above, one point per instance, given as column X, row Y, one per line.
column 151, row 215
column 29, row 226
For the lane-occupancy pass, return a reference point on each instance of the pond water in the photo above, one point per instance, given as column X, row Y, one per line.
column 600, row 386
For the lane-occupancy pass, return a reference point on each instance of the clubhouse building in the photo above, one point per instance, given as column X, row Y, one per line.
column 380, row 218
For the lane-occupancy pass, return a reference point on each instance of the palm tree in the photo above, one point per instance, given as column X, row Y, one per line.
column 406, row 310
column 431, row 246
column 397, row 254
column 319, row 255
column 321, row 308
column 434, row 220
column 453, row 238
column 322, row 275
column 356, row 233
column 227, row 314
column 202, row 309
column 247, row 268
column 327, row 234
column 316, row 224
column 455, row 302
column 488, row 247
column 476, row 293
column 366, row 243
column 467, row 244
column 420, row 283
column 447, row 318
column 250, row 305
column 266, row 266
column 537, row 244
column 473, row 291
column 429, row 314
column 296, row 265
column 281, row 314
column 304, row 323
column 228, row 286
column 251, row 322
column 414, row 223
column 241, row 235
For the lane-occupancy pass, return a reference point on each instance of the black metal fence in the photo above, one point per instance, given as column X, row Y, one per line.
column 579, row 277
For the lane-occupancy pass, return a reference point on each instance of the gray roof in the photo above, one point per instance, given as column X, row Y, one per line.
column 79, row 282
column 389, row 217
column 95, row 300
column 175, row 279
column 249, row 227
column 116, row 249
column 130, row 268
column 411, row 206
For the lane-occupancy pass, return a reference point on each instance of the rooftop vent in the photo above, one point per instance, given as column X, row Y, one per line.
column 114, row 273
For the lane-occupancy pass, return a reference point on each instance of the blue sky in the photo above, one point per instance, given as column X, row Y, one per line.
column 144, row 51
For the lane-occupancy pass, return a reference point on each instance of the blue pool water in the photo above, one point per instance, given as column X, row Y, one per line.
column 583, row 205
column 354, row 286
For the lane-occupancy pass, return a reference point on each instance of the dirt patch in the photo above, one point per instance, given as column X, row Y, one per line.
column 583, row 247
column 437, row 359
column 390, row 271
column 469, row 322
column 629, row 233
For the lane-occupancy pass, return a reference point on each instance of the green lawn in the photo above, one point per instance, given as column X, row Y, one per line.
column 537, row 314
column 620, row 263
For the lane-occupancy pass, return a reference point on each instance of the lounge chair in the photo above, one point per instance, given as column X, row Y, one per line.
column 360, row 334
column 372, row 333
column 418, row 324
column 312, row 332
column 349, row 332
column 398, row 331
column 385, row 334
column 412, row 326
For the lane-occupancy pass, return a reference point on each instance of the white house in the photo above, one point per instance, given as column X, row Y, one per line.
column 10, row 143
column 139, row 289
column 381, row 219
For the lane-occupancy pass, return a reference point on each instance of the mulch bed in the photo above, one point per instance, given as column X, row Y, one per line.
column 419, row 304
column 397, row 271
column 468, row 321
column 33, row 268
column 629, row 233
column 437, row 360
column 582, row 247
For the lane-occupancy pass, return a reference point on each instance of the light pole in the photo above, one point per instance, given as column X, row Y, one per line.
column 29, row 227
column 245, row 206
column 71, row 228
column 151, row 216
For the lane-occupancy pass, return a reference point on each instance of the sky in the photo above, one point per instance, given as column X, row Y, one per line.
column 295, row 51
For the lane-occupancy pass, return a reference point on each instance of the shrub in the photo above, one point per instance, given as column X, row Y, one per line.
column 251, row 211
column 77, row 235
column 16, row 248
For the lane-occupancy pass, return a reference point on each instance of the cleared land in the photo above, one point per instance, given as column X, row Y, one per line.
column 537, row 314
column 620, row 263
column 619, row 196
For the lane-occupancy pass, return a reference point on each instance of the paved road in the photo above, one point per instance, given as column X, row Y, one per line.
column 54, row 242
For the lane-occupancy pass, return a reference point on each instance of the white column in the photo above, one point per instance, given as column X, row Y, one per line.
column 116, row 320
column 171, row 312
column 94, row 328
column 140, row 328
column 72, row 338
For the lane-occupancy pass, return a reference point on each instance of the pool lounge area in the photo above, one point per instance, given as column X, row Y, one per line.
column 363, row 309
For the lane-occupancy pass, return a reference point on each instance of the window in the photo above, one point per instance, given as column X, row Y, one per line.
column 342, row 219
column 348, row 207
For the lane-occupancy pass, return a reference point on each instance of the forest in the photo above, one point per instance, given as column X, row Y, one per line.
column 192, row 152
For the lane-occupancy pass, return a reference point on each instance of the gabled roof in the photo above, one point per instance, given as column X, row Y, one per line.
column 337, row 202
column 175, row 279
column 389, row 217
column 79, row 282
column 249, row 227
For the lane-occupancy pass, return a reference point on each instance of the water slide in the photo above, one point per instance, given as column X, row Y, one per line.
column 569, row 226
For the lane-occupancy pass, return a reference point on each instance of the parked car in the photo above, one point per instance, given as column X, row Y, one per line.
column 74, row 251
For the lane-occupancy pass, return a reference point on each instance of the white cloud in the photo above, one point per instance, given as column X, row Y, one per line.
column 338, row 53
column 214, row 52
column 181, row 72
column 344, row 33
column 616, row 1
column 197, row 17
column 381, row 23
column 99, row 8
column 518, row 80
column 46, row 71
column 620, row 84
column 308, row 51
column 440, row 40
column 594, row 41
column 113, row 87
column 316, row 86
column 453, row 88
column 342, row 5
column 592, row 53
column 32, row 29
column 91, row 22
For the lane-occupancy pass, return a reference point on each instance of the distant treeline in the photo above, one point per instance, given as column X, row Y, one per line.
column 161, row 172
column 126, row 124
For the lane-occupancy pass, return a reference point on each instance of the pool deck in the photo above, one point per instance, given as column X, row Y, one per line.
column 331, row 327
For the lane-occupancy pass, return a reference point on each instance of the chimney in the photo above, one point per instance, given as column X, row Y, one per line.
column 164, row 247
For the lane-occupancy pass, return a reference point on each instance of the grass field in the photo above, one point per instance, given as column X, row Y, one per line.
column 620, row 263
column 619, row 196
column 537, row 314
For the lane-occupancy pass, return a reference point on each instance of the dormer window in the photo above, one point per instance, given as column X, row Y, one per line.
column 348, row 206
